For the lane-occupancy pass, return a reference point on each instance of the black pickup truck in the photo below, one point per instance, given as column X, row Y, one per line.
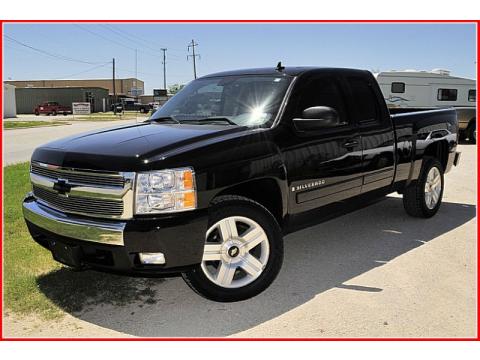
column 210, row 184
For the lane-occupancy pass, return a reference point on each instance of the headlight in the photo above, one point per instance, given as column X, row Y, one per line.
column 165, row 191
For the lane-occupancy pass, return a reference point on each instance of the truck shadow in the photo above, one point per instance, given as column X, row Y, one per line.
column 317, row 259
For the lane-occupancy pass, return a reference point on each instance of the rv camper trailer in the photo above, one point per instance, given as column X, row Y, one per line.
column 409, row 90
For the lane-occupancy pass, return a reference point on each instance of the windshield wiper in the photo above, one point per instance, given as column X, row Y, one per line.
column 166, row 119
column 212, row 119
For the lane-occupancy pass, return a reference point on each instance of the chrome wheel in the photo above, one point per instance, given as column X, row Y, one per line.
column 433, row 188
column 236, row 252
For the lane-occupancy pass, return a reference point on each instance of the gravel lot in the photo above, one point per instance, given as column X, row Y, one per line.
column 372, row 273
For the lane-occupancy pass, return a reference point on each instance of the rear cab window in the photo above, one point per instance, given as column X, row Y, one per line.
column 365, row 107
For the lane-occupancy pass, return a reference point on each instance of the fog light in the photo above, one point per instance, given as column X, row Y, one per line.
column 152, row 258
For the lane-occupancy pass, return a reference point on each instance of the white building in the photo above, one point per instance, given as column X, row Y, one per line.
column 9, row 104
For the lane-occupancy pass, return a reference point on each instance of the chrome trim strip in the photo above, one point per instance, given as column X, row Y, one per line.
column 109, row 233
column 76, row 171
column 283, row 105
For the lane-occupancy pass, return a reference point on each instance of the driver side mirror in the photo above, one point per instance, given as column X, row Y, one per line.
column 317, row 118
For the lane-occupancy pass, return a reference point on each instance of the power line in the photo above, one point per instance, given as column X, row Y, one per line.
column 104, row 37
column 53, row 55
column 85, row 71
column 138, row 38
column 124, row 35
column 134, row 39
column 94, row 33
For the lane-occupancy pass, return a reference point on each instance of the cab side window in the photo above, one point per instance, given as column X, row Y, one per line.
column 323, row 91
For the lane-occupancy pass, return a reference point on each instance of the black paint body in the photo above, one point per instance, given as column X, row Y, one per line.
column 298, row 176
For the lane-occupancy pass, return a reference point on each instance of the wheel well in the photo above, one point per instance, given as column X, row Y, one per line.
column 438, row 150
column 264, row 191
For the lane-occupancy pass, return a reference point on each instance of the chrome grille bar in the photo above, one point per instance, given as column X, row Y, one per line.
column 75, row 204
column 76, row 176
column 89, row 193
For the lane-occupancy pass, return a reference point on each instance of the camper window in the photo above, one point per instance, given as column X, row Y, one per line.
column 472, row 95
column 447, row 95
column 398, row 87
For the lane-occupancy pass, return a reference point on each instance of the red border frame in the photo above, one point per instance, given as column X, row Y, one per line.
column 2, row 338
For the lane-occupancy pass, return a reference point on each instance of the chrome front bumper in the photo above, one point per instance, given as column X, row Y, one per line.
column 108, row 233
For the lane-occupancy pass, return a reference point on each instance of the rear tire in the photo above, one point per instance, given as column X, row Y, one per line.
column 249, row 252
column 472, row 133
column 424, row 197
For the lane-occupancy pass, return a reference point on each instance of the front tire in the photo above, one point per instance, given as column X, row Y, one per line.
column 424, row 197
column 243, row 251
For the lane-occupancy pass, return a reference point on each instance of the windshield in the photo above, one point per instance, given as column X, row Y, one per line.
column 247, row 100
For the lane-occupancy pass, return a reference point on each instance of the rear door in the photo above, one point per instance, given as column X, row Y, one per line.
column 325, row 167
column 376, row 132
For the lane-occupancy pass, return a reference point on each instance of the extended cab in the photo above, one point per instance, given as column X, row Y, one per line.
column 52, row 108
column 210, row 184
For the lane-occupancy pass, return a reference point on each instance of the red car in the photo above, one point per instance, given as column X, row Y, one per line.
column 52, row 108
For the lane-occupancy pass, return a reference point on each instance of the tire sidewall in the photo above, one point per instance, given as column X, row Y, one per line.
column 265, row 219
column 429, row 164
column 471, row 133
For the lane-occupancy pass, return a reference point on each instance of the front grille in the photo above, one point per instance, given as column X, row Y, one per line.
column 79, row 205
column 79, row 177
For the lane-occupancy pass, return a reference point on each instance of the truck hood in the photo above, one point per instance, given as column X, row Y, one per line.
column 128, row 147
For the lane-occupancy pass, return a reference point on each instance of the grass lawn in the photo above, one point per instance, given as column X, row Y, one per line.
column 35, row 284
column 24, row 260
column 110, row 116
column 28, row 124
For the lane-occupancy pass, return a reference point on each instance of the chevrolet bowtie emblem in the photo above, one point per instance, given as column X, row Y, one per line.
column 62, row 187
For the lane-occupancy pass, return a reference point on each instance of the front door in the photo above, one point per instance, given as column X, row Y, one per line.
column 325, row 167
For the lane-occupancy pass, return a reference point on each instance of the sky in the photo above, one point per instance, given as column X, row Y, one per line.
column 85, row 51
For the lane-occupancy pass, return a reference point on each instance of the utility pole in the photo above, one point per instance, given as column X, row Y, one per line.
column 136, row 77
column 114, row 89
column 164, row 68
column 194, row 56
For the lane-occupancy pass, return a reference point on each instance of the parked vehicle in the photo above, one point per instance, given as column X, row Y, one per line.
column 131, row 105
column 52, row 108
column 210, row 184
column 422, row 90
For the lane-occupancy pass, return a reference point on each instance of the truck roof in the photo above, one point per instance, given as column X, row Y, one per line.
column 287, row 70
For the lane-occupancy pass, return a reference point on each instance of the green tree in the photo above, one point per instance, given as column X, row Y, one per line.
column 173, row 89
